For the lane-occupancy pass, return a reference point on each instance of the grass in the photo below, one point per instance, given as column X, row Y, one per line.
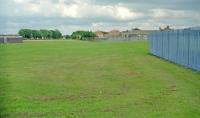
column 77, row 79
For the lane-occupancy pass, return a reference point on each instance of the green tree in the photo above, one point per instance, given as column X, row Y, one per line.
column 52, row 34
column 45, row 34
column 25, row 33
column 57, row 34
column 36, row 34
column 83, row 35
column 67, row 37
column 40, row 34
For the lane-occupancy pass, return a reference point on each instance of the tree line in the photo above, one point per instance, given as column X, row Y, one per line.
column 40, row 34
column 83, row 35
column 55, row 34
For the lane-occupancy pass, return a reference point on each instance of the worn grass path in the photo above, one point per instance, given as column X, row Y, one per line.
column 72, row 79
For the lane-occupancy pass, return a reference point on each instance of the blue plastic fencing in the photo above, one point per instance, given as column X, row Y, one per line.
column 179, row 46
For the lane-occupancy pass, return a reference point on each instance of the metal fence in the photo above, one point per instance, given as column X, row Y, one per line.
column 179, row 46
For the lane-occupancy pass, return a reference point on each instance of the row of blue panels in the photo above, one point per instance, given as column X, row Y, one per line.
column 179, row 46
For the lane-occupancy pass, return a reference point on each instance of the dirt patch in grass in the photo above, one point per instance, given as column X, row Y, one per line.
column 114, row 108
column 162, row 94
column 73, row 97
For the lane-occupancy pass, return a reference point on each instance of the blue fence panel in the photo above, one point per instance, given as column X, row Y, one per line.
column 174, row 39
column 198, row 51
column 191, row 49
column 156, row 44
column 182, row 46
column 153, row 44
column 179, row 46
column 160, row 44
column 171, row 45
column 167, row 46
column 195, row 51
column 186, row 42
column 164, row 39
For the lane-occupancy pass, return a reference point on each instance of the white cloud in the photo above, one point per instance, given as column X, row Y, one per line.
column 76, row 9
column 19, row 1
column 168, row 13
column 71, row 11
column 124, row 13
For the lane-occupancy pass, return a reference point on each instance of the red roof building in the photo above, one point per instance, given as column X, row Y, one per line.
column 114, row 33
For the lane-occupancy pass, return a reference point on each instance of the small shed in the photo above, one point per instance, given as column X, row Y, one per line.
column 11, row 39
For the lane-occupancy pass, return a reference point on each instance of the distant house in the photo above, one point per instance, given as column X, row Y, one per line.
column 11, row 39
column 113, row 33
column 100, row 34
column 110, row 34
column 116, row 35
column 136, row 34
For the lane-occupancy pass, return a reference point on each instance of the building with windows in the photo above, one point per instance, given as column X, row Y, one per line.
column 136, row 34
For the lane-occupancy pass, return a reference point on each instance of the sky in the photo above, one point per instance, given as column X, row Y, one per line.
column 93, row 15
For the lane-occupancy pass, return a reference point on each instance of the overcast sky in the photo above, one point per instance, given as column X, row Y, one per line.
column 72, row 15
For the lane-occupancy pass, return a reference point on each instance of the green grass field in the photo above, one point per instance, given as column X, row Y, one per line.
column 74, row 79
